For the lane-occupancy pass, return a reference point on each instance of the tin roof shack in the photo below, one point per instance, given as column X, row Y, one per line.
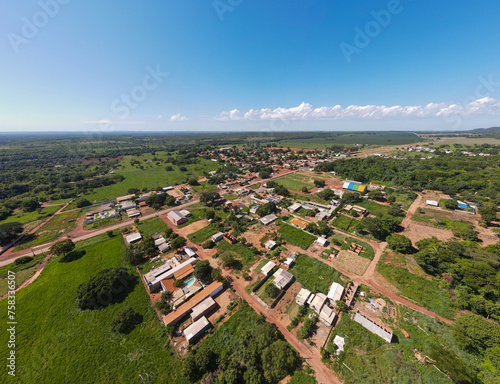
column 318, row 301
column 302, row 296
column 295, row 207
column 327, row 315
column 378, row 329
column 203, row 308
column 270, row 245
column 195, row 330
column 133, row 237
column 282, row 278
column 266, row 220
column 218, row 237
column 176, row 217
column 336, row 292
column 323, row 241
column 266, row 269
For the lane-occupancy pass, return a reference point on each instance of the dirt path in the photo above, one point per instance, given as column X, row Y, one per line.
column 40, row 266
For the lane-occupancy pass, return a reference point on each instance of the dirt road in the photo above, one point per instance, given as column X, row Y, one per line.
column 10, row 256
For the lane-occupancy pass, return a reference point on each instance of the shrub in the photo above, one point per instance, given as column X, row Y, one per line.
column 103, row 288
column 23, row 260
column 126, row 320
column 272, row 291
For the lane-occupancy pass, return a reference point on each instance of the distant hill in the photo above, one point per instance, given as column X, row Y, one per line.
column 493, row 131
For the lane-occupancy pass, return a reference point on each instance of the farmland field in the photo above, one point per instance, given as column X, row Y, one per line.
column 296, row 237
column 70, row 345
column 368, row 138
column 314, row 274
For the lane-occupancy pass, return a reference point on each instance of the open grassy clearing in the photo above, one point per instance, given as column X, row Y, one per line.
column 151, row 227
column 28, row 217
column 343, row 222
column 432, row 216
column 151, row 176
column 296, row 236
column 201, row 235
column 69, row 345
column 427, row 293
column 314, row 274
column 372, row 360
column 52, row 230
column 374, row 208
column 21, row 277
column 240, row 252
column 451, row 141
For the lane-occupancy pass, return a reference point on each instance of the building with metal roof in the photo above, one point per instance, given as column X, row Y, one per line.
column 376, row 328
column 176, row 217
column 266, row 220
column 196, row 329
column 336, row 292
column 203, row 308
column 282, row 278
column 302, row 296
column 266, row 269
column 354, row 186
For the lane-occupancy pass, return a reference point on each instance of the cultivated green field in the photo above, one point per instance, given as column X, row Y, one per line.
column 342, row 222
column 296, row 236
column 57, row 343
column 368, row 138
column 314, row 274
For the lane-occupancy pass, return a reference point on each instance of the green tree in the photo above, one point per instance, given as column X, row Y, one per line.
column 278, row 361
column 83, row 203
column 319, row 183
column 62, row 248
column 202, row 269
column 305, row 190
column 272, row 291
column 126, row 320
column 9, row 231
column 178, row 242
column 399, row 243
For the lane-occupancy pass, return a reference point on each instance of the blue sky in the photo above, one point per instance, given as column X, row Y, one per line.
column 249, row 65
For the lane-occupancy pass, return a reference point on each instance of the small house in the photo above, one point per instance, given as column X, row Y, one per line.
column 266, row 269
column 196, row 329
column 270, row 245
column 176, row 217
column 217, row 237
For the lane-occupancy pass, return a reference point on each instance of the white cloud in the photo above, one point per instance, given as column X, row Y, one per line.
column 178, row 117
column 305, row 111
column 159, row 117
column 105, row 121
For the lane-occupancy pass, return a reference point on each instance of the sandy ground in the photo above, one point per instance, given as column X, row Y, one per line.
column 191, row 228
column 417, row 231
column 351, row 262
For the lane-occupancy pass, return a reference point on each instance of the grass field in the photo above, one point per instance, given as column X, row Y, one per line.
column 240, row 252
column 151, row 176
column 57, row 343
column 427, row 293
column 432, row 216
column 371, row 360
column 374, row 208
column 52, row 230
column 314, row 274
column 21, row 277
column 342, row 222
column 368, row 138
column 346, row 241
column 201, row 235
column 28, row 217
column 296, row 237
column 151, row 227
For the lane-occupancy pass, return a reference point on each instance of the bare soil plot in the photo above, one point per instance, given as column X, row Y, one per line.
column 192, row 228
column 351, row 262
column 284, row 303
column 416, row 231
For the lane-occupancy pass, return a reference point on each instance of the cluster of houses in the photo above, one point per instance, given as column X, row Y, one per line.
column 321, row 303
